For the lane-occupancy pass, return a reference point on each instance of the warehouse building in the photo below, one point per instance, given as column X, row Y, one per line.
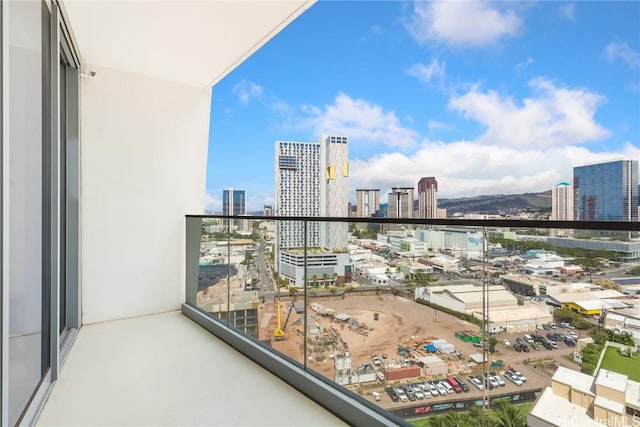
column 466, row 298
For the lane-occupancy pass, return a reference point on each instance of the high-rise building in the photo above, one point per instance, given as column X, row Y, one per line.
column 367, row 202
column 267, row 210
column 334, row 190
column 311, row 180
column 606, row 191
column 233, row 202
column 427, row 200
column 562, row 202
column 400, row 202
column 562, row 206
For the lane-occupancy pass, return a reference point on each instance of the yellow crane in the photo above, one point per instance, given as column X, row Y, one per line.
column 278, row 334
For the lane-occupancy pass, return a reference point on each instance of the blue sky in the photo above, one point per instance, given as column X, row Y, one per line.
column 488, row 97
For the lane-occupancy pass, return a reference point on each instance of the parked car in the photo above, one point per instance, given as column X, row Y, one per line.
column 493, row 381
column 392, row 394
column 513, row 378
column 476, row 382
column 376, row 396
column 506, row 342
column 465, row 387
column 570, row 343
column 518, row 375
column 401, row 394
column 500, row 381
column 517, row 347
column 433, row 389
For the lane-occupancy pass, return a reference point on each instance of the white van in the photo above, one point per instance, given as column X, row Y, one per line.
column 447, row 387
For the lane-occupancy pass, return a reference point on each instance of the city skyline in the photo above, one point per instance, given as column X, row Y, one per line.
column 425, row 89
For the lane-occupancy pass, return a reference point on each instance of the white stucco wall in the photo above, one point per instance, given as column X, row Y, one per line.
column 143, row 165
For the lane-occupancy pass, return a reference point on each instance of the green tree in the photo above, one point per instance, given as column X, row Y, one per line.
column 456, row 419
column 474, row 416
column 504, row 414
column 492, row 344
column 439, row 421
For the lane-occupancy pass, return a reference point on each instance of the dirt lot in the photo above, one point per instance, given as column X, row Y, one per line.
column 400, row 319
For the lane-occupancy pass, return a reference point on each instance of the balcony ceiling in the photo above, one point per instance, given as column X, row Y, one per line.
column 191, row 42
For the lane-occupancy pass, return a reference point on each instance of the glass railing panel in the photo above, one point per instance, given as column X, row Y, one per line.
column 422, row 318
column 218, row 270
column 284, row 315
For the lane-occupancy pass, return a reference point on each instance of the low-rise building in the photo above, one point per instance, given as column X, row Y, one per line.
column 322, row 267
column 466, row 298
column 577, row 399
column 624, row 320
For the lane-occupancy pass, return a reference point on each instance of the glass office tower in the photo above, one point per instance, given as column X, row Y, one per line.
column 606, row 191
column 233, row 202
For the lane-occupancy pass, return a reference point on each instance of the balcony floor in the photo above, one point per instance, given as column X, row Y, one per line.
column 164, row 369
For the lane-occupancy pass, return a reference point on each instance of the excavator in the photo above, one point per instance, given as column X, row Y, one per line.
column 278, row 334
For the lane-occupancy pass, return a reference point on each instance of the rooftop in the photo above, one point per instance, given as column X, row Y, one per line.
column 612, row 380
column 609, row 404
column 560, row 412
column 578, row 380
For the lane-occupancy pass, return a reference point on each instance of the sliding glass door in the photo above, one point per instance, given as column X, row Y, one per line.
column 40, row 193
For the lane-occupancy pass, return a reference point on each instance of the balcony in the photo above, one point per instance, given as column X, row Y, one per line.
column 165, row 369
column 357, row 322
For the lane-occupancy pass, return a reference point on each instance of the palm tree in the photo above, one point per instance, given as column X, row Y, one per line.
column 456, row 419
column 439, row 421
column 474, row 416
column 504, row 414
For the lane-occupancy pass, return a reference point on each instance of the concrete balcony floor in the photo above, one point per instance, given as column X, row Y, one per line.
column 163, row 369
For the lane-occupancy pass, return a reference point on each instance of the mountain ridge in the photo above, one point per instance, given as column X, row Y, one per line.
column 508, row 204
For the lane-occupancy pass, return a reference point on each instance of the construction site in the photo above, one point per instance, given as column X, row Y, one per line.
column 361, row 338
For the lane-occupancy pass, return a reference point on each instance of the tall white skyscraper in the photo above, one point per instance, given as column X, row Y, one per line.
column 427, row 199
column 367, row 202
column 562, row 198
column 311, row 179
column 562, row 202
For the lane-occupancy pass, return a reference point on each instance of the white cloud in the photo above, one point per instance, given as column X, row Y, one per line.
column 623, row 51
column 246, row 90
column 211, row 204
column 568, row 11
column 435, row 125
column 524, row 64
column 553, row 116
column 361, row 120
column 436, row 70
column 462, row 23
column 376, row 30
column 465, row 168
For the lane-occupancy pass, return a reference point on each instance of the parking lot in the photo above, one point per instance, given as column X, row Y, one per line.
column 537, row 366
